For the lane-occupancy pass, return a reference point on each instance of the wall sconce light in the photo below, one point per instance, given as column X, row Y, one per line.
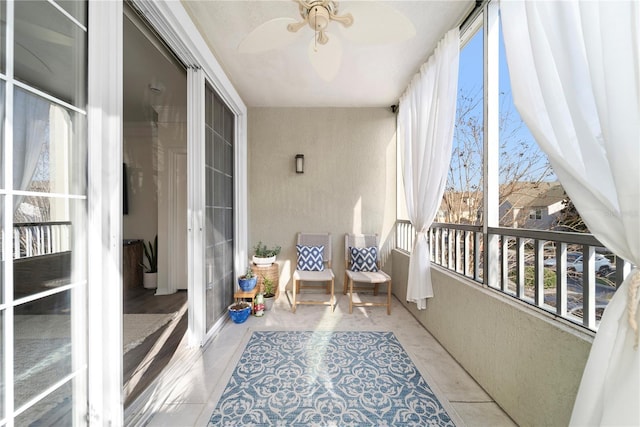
column 299, row 163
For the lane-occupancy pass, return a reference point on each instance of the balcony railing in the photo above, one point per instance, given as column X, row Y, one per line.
column 568, row 274
column 41, row 238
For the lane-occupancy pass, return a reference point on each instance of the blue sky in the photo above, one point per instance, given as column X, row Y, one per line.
column 470, row 81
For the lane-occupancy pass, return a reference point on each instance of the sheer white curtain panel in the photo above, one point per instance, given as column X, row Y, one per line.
column 30, row 132
column 575, row 77
column 425, row 129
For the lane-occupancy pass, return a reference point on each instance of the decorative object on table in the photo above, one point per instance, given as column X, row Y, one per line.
column 269, row 293
column 258, row 306
column 239, row 311
column 150, row 278
column 359, row 378
column 247, row 281
column 264, row 255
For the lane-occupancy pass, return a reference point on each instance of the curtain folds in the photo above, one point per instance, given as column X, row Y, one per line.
column 30, row 132
column 575, row 77
column 425, row 129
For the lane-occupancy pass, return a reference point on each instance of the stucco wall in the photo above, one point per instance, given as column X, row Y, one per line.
column 142, row 186
column 530, row 364
column 348, row 183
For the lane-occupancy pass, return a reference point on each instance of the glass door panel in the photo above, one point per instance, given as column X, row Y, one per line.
column 219, row 244
column 43, row 214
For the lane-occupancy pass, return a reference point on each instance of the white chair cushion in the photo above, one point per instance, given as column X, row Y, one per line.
column 314, row 276
column 368, row 276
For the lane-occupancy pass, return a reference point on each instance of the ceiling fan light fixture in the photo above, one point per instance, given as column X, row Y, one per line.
column 318, row 18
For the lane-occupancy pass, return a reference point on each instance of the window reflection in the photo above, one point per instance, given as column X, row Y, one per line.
column 47, row 154
column 75, row 8
column 50, row 51
column 41, row 413
column 42, row 244
column 42, row 346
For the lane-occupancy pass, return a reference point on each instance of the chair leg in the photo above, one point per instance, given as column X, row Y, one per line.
column 344, row 284
column 375, row 289
column 333, row 298
column 350, row 296
column 295, row 288
column 389, row 297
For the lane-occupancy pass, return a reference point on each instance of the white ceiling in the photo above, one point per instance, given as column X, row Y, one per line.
column 369, row 75
column 147, row 65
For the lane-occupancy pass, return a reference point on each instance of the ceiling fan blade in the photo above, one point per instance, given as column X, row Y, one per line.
column 326, row 58
column 377, row 23
column 273, row 34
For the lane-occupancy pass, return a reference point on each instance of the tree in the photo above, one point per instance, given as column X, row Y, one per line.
column 570, row 219
column 521, row 161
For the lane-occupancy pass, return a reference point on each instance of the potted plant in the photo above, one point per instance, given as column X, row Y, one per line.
column 150, row 278
column 264, row 255
column 247, row 281
column 239, row 311
column 269, row 293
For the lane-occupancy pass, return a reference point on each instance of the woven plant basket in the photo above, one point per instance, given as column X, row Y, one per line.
column 270, row 272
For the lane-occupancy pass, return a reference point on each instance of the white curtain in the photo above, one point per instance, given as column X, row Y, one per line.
column 575, row 76
column 425, row 128
column 30, row 132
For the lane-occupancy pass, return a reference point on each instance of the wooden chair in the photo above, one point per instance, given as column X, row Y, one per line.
column 306, row 278
column 364, row 242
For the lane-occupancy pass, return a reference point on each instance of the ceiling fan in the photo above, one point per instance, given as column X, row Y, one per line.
column 370, row 22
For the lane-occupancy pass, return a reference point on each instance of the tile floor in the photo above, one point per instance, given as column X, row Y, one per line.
column 196, row 390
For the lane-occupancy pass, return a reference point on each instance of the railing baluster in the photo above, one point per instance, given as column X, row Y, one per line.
column 520, row 273
column 539, row 272
column 588, row 286
column 561, row 279
column 40, row 238
column 504, row 263
column 476, row 255
column 465, row 255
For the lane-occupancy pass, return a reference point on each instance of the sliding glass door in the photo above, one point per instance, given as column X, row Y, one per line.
column 43, row 212
column 219, row 207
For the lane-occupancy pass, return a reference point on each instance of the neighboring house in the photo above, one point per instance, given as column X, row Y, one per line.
column 535, row 205
column 460, row 207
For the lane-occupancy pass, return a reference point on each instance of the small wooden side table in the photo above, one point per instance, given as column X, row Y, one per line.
column 247, row 295
column 271, row 272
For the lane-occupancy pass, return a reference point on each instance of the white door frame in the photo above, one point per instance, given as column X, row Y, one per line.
column 174, row 25
column 104, row 217
column 196, row 201
column 105, row 47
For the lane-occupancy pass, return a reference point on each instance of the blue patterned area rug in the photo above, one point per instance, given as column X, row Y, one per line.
column 327, row 379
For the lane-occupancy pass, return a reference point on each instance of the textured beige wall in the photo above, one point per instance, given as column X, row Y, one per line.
column 139, row 155
column 348, row 183
column 530, row 364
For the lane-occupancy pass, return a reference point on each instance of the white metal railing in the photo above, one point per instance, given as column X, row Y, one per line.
column 568, row 274
column 41, row 238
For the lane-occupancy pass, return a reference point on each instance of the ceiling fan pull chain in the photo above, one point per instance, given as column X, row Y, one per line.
column 315, row 29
